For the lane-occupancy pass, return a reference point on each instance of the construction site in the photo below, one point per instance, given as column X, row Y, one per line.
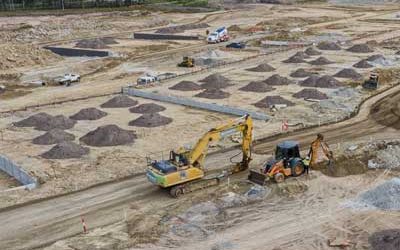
column 240, row 125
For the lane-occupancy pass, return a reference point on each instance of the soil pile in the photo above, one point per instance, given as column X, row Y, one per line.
column 213, row 94
column 385, row 196
column 257, row 86
column 276, row 80
column 120, row 101
column 150, row 120
column 108, row 135
column 147, row 108
column 34, row 120
column 348, row 73
column 328, row 46
column 375, row 58
column 264, row 67
column 310, row 94
column 311, row 51
column 294, row 59
column 302, row 54
column 59, row 121
column 88, row 114
column 182, row 28
column 361, row 48
column 385, row 240
column 301, row 73
column 321, row 61
column 363, row 64
column 215, row 81
column 54, row 136
column 328, row 82
column 311, row 81
column 270, row 101
column 66, row 150
column 186, row 86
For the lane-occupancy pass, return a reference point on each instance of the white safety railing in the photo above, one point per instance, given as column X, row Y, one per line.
column 18, row 173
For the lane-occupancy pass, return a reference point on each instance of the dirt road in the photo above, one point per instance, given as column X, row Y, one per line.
column 41, row 223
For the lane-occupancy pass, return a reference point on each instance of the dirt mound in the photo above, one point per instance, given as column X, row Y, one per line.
column 361, row 48
column 328, row 46
column 310, row 94
column 311, row 81
column 97, row 43
column 33, row 120
column 257, row 86
column 385, row 196
column 276, row 80
column 264, row 67
column 54, row 136
column 327, row 81
column 182, row 28
column 311, row 51
column 147, row 108
column 88, row 114
column 120, row 101
column 215, row 81
column 348, row 73
column 150, row 120
column 186, row 86
column 294, row 59
column 300, row 73
column 302, row 54
column 108, row 135
column 385, row 240
column 270, row 101
column 321, row 61
column 375, row 58
column 343, row 166
column 66, row 150
column 213, row 94
column 363, row 64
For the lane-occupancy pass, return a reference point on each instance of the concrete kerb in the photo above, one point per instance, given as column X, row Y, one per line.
column 28, row 182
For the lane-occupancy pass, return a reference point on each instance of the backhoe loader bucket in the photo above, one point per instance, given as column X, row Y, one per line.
column 257, row 177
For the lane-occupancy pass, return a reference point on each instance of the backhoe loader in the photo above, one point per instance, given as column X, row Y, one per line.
column 184, row 170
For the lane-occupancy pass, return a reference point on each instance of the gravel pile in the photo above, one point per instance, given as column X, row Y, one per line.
column 120, row 101
column 361, row 48
column 385, row 196
column 375, row 58
column 59, row 121
column 264, row 67
column 327, row 81
column 33, row 120
column 215, row 81
column 213, row 94
column 108, row 135
column 321, row 61
column 302, row 54
column 301, row 73
column 348, row 73
column 88, row 114
column 147, row 108
column 186, row 86
column 294, row 59
column 328, row 46
column 150, row 120
column 66, row 150
column 385, row 240
column 363, row 64
column 270, row 101
column 53, row 136
column 257, row 86
column 276, row 80
column 311, row 51
column 310, row 81
column 310, row 94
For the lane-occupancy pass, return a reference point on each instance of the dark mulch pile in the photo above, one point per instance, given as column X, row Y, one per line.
column 147, row 108
column 120, row 101
column 361, row 48
column 310, row 94
column 327, row 81
column 33, row 120
column 58, row 121
column 108, row 135
column 257, row 86
column 375, row 57
column 270, row 101
column 310, row 81
column 150, row 120
column 264, row 67
column 363, row 64
column 66, row 150
column 348, row 73
column 321, row 61
column 294, row 59
column 213, row 94
column 276, row 80
column 301, row 73
column 53, row 136
column 328, row 46
column 311, row 51
column 186, row 86
column 385, row 240
column 89, row 114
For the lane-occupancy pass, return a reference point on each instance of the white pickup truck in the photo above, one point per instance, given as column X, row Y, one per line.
column 67, row 79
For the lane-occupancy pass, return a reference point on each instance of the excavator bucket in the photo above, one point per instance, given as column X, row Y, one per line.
column 257, row 177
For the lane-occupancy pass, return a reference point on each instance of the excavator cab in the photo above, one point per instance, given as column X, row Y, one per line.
column 372, row 83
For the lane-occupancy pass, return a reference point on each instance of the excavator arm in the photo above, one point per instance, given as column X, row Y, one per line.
column 244, row 125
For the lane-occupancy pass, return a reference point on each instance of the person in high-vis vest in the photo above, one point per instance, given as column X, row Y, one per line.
column 319, row 152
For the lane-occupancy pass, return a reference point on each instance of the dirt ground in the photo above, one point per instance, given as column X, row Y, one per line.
column 303, row 213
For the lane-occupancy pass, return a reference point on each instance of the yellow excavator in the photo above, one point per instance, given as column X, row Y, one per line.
column 184, row 170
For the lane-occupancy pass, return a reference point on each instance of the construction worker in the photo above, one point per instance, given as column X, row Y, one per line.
column 315, row 155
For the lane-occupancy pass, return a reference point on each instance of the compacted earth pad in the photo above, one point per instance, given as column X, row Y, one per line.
column 120, row 101
column 66, row 150
column 361, row 48
column 328, row 46
column 310, row 94
column 186, row 86
column 53, row 136
column 264, row 67
column 257, row 86
column 150, row 120
column 108, row 135
column 363, row 64
column 88, row 114
column 147, row 108
column 348, row 73
column 215, row 81
column 276, row 80
column 213, row 94
column 270, row 101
